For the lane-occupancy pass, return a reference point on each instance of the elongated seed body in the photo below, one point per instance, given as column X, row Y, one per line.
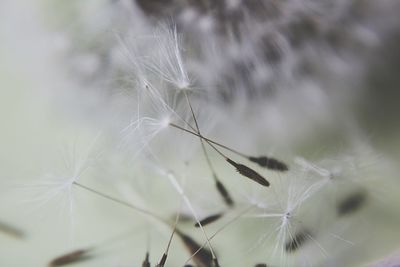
column 11, row 230
column 209, row 219
column 72, row 257
column 352, row 203
column 270, row 163
column 224, row 193
column 203, row 257
column 162, row 261
column 249, row 173
column 146, row 262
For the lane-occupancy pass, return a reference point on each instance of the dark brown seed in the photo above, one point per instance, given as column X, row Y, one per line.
column 352, row 203
column 260, row 265
column 270, row 163
column 162, row 261
column 297, row 241
column 72, row 257
column 146, row 262
column 224, row 193
column 203, row 258
column 11, row 230
column 249, row 173
column 209, row 219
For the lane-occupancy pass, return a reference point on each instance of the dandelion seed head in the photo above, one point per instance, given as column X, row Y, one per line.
column 270, row 82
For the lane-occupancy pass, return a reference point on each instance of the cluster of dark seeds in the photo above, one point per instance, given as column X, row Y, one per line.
column 200, row 255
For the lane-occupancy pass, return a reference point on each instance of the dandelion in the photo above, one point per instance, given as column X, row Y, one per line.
column 233, row 133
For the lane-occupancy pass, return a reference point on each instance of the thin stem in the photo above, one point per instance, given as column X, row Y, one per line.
column 178, row 188
column 201, row 139
column 199, row 135
column 173, row 232
column 212, row 141
column 122, row 202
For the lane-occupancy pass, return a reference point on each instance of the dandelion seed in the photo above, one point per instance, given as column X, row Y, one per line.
column 162, row 261
column 189, row 243
column 224, row 193
column 154, row 113
column 209, row 219
column 242, row 169
column 179, row 189
column 220, row 230
column 270, row 163
column 221, row 189
column 285, row 214
column 169, row 64
column 71, row 257
column 165, row 255
column 297, row 241
column 249, row 173
column 11, row 230
column 58, row 185
column 203, row 257
column 146, row 262
column 263, row 161
column 83, row 254
column 352, row 203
